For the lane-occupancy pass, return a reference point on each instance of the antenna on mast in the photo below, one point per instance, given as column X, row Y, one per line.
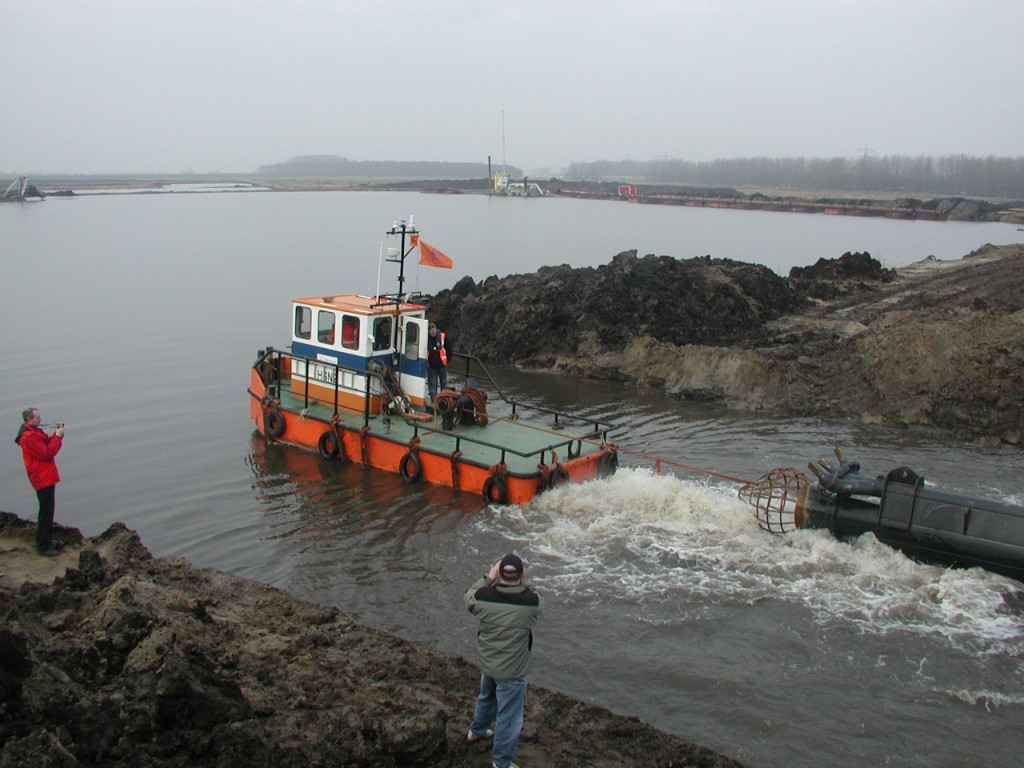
column 407, row 233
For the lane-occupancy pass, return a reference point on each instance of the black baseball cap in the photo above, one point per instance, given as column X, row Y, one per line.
column 511, row 566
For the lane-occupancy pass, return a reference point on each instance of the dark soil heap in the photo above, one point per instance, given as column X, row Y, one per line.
column 126, row 661
column 938, row 343
column 535, row 319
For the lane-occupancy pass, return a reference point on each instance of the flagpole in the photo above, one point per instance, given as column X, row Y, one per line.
column 417, row 286
column 380, row 263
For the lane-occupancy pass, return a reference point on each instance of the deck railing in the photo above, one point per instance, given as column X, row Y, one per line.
column 269, row 365
column 471, row 363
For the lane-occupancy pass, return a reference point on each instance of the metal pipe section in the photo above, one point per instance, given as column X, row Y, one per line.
column 926, row 523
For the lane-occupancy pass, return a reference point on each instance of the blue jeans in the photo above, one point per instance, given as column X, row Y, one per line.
column 500, row 702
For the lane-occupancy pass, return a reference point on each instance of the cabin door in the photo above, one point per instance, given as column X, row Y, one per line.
column 412, row 363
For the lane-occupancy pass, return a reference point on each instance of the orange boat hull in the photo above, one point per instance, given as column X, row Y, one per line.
column 418, row 464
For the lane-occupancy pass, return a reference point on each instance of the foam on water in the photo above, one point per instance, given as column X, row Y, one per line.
column 647, row 538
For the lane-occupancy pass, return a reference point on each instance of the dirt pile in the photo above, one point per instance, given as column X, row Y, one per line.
column 938, row 343
column 535, row 320
column 126, row 660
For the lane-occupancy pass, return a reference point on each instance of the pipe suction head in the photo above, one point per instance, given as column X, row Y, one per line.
column 777, row 498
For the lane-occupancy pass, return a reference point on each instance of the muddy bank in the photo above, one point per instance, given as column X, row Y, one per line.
column 111, row 657
column 869, row 204
column 935, row 344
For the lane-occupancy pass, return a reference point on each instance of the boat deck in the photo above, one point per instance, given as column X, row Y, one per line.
column 521, row 443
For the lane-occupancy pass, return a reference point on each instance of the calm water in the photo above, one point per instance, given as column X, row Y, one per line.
column 135, row 319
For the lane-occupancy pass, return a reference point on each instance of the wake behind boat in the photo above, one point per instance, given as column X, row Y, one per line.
column 353, row 386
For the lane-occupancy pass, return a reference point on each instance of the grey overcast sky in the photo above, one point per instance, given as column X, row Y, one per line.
column 114, row 86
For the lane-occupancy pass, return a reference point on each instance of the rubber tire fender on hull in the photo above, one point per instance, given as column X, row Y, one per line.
column 273, row 423
column 329, row 444
column 492, row 484
column 608, row 463
column 410, row 468
column 559, row 477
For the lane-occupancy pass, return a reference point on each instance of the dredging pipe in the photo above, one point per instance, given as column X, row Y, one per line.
column 926, row 523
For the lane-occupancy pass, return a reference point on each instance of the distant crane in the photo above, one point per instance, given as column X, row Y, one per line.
column 20, row 190
column 17, row 189
column 865, row 150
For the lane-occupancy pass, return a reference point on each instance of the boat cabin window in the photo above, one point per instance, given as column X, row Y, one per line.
column 325, row 326
column 303, row 322
column 412, row 341
column 382, row 333
column 350, row 332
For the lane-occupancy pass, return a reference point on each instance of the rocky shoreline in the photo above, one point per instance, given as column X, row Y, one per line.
column 937, row 344
column 111, row 657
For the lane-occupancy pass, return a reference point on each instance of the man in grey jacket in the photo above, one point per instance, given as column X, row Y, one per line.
column 508, row 611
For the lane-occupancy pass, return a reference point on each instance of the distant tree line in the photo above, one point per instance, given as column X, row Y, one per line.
column 954, row 175
column 332, row 166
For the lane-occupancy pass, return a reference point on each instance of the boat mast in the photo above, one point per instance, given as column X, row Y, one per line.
column 402, row 229
column 406, row 233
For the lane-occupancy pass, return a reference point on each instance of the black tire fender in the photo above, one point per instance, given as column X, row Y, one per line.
column 273, row 423
column 492, row 484
column 559, row 476
column 608, row 462
column 409, row 467
column 329, row 444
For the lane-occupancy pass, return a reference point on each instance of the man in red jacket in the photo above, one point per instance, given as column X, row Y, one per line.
column 38, row 450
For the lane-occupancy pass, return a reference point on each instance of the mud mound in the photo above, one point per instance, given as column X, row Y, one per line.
column 533, row 319
column 938, row 343
column 830, row 278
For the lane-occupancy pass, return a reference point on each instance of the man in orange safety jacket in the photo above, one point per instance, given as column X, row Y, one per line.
column 437, row 361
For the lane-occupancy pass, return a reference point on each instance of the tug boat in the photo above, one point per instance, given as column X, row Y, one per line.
column 352, row 385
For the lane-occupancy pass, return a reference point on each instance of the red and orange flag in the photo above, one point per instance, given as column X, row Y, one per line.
column 431, row 257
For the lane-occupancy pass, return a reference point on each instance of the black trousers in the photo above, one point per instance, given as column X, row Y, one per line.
column 44, row 527
column 437, row 380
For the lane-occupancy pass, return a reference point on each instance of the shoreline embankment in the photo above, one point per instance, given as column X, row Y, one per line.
column 109, row 656
column 864, row 204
